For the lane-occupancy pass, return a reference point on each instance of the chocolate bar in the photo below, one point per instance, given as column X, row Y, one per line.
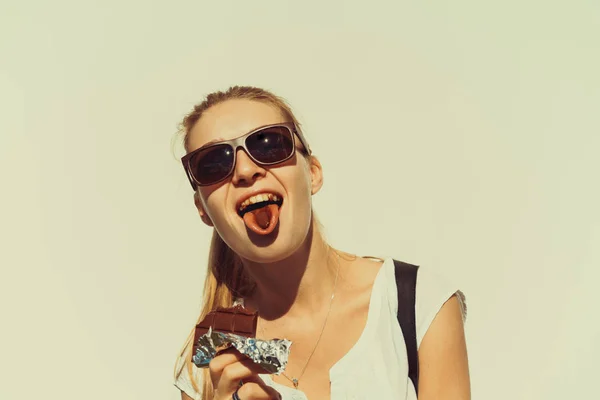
column 236, row 327
column 236, row 320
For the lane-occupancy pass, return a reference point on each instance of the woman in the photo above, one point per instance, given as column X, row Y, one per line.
column 253, row 176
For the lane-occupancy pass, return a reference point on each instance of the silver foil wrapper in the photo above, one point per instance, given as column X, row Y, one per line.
column 272, row 355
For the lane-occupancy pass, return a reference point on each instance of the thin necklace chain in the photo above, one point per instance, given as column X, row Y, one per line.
column 296, row 381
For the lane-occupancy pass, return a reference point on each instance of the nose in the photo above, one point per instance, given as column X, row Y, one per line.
column 246, row 171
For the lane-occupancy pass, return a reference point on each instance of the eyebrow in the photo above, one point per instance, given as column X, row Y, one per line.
column 217, row 140
column 220, row 139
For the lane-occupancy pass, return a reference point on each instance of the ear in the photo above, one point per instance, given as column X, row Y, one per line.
column 198, row 202
column 316, row 174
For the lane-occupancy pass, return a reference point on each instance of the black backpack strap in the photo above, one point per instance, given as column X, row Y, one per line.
column 406, row 282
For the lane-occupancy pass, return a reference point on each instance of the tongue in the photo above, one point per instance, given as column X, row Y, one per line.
column 263, row 220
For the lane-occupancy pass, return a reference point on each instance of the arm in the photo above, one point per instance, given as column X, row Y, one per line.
column 443, row 363
column 185, row 396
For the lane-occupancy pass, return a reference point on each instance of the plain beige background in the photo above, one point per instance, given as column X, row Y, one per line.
column 460, row 135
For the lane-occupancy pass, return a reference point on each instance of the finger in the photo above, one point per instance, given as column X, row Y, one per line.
column 223, row 359
column 257, row 391
column 246, row 370
column 226, row 350
column 218, row 364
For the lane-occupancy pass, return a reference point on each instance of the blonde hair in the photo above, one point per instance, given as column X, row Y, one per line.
column 225, row 278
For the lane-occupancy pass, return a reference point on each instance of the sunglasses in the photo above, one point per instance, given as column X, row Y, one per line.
column 266, row 146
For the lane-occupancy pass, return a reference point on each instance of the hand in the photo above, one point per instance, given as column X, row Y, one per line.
column 229, row 368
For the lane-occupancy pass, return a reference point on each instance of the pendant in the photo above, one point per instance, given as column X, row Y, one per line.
column 295, row 382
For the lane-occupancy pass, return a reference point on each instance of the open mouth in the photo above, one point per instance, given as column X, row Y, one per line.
column 259, row 201
column 261, row 212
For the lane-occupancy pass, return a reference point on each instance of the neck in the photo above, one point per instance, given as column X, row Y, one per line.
column 297, row 285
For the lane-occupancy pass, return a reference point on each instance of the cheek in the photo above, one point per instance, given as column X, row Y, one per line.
column 300, row 189
column 213, row 201
column 299, row 177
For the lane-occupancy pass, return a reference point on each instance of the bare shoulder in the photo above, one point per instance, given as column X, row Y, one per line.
column 369, row 267
column 359, row 273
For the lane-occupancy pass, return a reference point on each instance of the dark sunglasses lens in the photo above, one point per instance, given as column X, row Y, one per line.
column 271, row 145
column 212, row 164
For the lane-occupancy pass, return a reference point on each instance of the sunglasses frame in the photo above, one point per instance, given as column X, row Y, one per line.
column 238, row 142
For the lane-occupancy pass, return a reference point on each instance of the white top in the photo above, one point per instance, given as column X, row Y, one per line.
column 379, row 356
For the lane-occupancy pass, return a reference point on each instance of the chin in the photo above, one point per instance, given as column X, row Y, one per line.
column 272, row 248
column 267, row 256
column 269, row 249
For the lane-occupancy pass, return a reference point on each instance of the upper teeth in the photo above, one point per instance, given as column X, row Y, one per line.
column 258, row 198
